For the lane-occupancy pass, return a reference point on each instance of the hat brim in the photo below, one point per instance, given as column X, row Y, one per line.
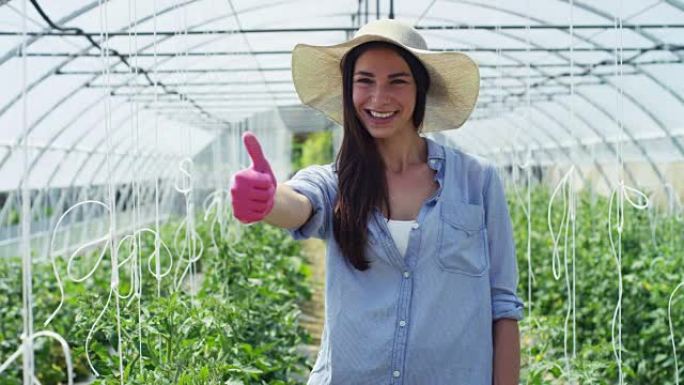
column 454, row 81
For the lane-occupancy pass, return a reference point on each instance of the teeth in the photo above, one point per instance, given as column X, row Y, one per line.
column 376, row 114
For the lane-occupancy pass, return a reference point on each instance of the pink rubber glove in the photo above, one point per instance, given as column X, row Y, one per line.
column 253, row 189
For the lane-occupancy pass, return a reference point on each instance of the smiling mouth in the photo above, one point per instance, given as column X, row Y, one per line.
column 377, row 115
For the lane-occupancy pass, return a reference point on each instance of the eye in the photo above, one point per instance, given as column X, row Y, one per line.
column 399, row 81
column 364, row 80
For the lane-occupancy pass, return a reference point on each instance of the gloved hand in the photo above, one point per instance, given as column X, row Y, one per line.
column 254, row 188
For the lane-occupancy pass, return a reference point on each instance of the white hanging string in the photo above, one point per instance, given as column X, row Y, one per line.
column 527, row 208
column 157, row 240
column 192, row 244
column 190, row 204
column 620, row 194
column 566, row 232
column 517, row 165
column 653, row 221
column 104, row 55
column 616, row 321
column 80, row 249
column 239, row 162
column 158, row 275
column 675, row 211
column 213, row 206
column 107, row 241
column 573, row 200
column 192, row 235
column 528, row 101
column 26, row 259
column 672, row 333
column 29, row 341
column 135, row 112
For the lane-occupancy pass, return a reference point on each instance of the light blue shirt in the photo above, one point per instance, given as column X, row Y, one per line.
column 425, row 318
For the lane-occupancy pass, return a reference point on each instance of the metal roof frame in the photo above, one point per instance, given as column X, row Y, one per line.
column 205, row 119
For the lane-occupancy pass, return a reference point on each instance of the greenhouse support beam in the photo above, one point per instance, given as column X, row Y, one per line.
column 533, row 138
column 37, row 82
column 181, row 71
column 180, row 108
column 16, row 51
column 579, row 142
column 149, row 97
column 151, row 104
column 664, row 86
column 67, row 149
column 66, row 62
column 610, row 146
column 108, row 51
column 442, row 27
column 97, row 145
column 227, row 95
column 484, row 100
column 190, row 83
column 676, row 3
column 529, row 137
column 287, row 69
column 81, row 197
column 580, row 94
column 638, row 50
column 168, row 158
column 287, row 82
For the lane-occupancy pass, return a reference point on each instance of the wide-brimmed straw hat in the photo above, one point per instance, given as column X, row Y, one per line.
column 454, row 77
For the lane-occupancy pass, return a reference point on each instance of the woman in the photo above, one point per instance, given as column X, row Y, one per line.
column 420, row 264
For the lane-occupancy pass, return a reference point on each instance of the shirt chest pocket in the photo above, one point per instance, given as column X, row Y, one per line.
column 462, row 239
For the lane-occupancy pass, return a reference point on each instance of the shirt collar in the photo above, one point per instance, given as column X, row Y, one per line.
column 436, row 154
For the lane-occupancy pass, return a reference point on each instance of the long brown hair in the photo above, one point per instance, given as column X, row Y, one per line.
column 362, row 185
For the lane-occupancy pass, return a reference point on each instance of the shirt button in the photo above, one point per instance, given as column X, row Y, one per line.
column 402, row 323
column 396, row 373
column 416, row 226
column 407, row 274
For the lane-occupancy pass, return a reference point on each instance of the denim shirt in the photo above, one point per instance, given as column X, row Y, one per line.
column 427, row 318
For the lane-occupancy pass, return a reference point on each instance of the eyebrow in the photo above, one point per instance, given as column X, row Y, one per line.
column 391, row 76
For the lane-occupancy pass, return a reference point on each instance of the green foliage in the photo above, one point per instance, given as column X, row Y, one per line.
column 240, row 327
column 652, row 266
column 13, row 217
column 317, row 148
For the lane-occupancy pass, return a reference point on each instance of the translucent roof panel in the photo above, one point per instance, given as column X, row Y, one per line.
column 564, row 78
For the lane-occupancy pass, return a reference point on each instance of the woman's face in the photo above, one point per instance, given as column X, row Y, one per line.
column 384, row 92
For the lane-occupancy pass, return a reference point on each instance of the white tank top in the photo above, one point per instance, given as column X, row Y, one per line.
column 400, row 231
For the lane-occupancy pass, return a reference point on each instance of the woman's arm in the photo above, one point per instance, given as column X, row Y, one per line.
column 290, row 209
column 257, row 196
column 506, row 352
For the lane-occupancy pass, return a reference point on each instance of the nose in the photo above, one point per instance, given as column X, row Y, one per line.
column 381, row 94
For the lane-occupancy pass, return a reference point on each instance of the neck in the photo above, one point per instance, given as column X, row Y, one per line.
column 399, row 152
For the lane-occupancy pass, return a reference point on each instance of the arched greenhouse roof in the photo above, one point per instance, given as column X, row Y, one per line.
column 563, row 82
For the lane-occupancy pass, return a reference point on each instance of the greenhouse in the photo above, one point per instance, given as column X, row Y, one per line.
column 125, row 145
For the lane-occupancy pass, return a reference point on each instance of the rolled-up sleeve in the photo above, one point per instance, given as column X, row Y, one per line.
column 318, row 185
column 503, row 269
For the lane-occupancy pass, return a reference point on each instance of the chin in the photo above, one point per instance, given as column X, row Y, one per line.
column 381, row 133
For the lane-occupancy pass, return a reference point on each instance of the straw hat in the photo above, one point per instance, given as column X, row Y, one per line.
column 454, row 77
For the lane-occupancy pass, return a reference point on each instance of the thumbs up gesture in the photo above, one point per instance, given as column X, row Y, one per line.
column 254, row 188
